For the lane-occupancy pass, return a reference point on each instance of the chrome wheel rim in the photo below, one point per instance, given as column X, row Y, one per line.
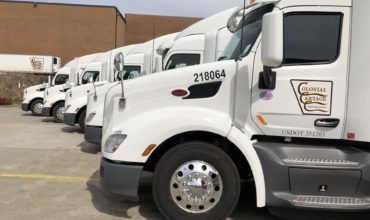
column 37, row 108
column 60, row 113
column 196, row 187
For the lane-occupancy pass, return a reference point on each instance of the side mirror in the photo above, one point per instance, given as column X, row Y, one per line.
column 272, row 39
column 91, row 79
column 118, row 62
column 272, row 48
column 49, row 80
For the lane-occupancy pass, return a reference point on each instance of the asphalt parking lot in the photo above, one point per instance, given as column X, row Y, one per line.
column 47, row 171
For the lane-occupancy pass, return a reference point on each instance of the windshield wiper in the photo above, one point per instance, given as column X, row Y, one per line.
column 222, row 58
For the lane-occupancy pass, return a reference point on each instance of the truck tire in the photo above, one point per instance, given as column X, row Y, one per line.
column 196, row 180
column 81, row 120
column 58, row 112
column 36, row 107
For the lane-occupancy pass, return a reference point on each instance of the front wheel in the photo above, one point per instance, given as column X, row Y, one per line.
column 81, row 120
column 36, row 107
column 58, row 112
column 196, row 180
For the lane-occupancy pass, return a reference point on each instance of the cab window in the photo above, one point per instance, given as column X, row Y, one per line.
column 182, row 60
column 130, row 72
column 311, row 37
column 88, row 74
column 61, row 79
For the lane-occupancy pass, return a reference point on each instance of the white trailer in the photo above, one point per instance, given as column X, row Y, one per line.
column 286, row 106
column 13, row 63
column 76, row 98
column 202, row 42
column 53, row 104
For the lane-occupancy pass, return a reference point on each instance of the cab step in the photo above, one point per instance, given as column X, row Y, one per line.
column 300, row 161
column 329, row 202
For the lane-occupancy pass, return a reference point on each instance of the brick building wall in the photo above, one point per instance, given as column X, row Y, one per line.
column 69, row 31
column 140, row 28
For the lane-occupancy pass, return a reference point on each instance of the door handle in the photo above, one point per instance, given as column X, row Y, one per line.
column 327, row 122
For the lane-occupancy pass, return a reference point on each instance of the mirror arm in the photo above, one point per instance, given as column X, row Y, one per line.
column 122, row 100
column 267, row 79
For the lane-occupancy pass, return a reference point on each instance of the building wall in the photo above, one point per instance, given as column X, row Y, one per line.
column 140, row 28
column 67, row 31
column 120, row 36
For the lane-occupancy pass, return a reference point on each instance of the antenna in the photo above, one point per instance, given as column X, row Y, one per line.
column 242, row 33
column 152, row 59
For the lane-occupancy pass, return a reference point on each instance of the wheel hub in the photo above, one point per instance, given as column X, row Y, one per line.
column 60, row 113
column 38, row 108
column 196, row 187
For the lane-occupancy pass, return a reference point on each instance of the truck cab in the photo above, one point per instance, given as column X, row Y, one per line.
column 96, row 74
column 33, row 96
column 140, row 61
column 282, row 107
column 76, row 98
column 202, row 42
column 54, row 96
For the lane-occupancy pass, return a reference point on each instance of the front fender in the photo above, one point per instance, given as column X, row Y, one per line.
column 30, row 96
column 154, row 127
column 76, row 103
column 54, row 98
column 245, row 144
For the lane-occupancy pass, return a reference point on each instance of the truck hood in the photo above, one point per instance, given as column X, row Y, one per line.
column 35, row 88
column 96, row 104
column 52, row 91
column 206, row 86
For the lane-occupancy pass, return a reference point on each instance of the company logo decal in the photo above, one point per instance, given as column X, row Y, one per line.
column 314, row 97
column 37, row 63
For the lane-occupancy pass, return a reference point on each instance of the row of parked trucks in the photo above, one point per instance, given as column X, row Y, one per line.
column 272, row 92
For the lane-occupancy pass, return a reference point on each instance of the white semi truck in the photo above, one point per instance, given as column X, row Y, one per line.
column 202, row 42
column 14, row 63
column 54, row 96
column 286, row 105
column 76, row 98
column 101, row 72
column 33, row 97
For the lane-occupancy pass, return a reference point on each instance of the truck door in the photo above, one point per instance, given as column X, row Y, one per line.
column 310, row 94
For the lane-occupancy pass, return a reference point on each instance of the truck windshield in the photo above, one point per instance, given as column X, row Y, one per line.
column 60, row 79
column 88, row 74
column 129, row 72
column 250, row 31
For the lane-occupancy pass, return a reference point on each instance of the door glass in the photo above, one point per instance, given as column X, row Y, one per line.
column 61, row 79
column 129, row 72
column 311, row 38
column 182, row 60
column 88, row 74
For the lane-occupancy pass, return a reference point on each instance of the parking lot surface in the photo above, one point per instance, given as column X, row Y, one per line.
column 47, row 171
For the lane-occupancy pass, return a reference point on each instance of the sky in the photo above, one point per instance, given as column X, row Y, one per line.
column 186, row 8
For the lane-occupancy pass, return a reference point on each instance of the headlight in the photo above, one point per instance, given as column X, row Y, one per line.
column 113, row 142
column 67, row 107
column 90, row 117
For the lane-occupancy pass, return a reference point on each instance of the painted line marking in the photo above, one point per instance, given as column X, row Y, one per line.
column 45, row 177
